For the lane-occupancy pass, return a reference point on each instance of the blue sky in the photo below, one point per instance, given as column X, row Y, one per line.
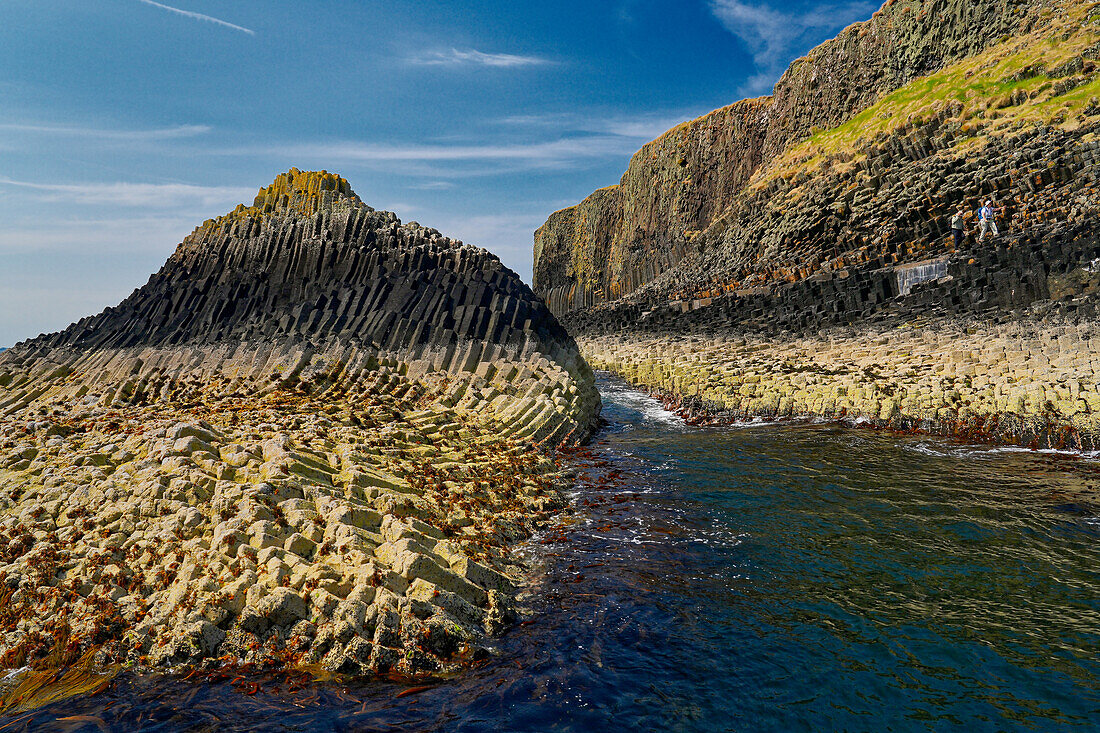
column 125, row 123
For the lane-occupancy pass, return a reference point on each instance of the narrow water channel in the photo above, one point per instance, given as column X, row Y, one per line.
column 762, row 577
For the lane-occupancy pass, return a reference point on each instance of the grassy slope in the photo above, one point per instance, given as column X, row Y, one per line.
column 1008, row 87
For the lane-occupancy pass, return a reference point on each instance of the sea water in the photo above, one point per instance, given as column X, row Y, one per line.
column 757, row 577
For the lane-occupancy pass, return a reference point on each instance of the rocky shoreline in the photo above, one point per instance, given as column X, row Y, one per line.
column 309, row 442
column 308, row 521
column 1029, row 381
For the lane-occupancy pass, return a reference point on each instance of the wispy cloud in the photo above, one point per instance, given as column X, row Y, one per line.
column 642, row 126
column 99, row 236
column 559, row 141
column 442, row 161
column 473, row 57
column 433, row 186
column 164, row 133
column 553, row 150
column 163, row 195
column 200, row 16
column 775, row 37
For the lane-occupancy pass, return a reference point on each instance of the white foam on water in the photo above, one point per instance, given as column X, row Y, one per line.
column 983, row 451
column 758, row 422
column 927, row 450
column 650, row 408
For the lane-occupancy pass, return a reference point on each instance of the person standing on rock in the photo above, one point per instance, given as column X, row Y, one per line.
column 987, row 219
column 958, row 225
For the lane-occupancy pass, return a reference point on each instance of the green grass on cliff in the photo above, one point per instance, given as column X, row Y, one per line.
column 1040, row 78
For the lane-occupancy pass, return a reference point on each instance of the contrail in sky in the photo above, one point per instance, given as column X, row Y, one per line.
column 199, row 16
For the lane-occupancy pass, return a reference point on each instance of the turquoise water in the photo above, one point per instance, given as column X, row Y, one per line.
column 762, row 577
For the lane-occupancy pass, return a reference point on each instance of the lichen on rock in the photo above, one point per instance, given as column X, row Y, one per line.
column 310, row 439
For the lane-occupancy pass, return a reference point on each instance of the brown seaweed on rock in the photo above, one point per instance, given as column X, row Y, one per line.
column 308, row 441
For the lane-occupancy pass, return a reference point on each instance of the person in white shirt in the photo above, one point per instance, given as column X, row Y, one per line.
column 958, row 226
column 987, row 221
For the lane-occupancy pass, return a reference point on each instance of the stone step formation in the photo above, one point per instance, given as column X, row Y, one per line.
column 310, row 439
column 786, row 226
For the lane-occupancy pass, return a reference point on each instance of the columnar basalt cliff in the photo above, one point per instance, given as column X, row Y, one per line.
column 625, row 236
column 310, row 438
column 774, row 258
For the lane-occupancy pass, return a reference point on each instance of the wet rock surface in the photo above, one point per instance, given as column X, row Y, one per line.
column 310, row 439
column 998, row 344
column 1027, row 382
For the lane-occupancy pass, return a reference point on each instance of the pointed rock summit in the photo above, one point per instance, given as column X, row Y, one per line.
column 307, row 277
column 304, row 194
column 309, row 439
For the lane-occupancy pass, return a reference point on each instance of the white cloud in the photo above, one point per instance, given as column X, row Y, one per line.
column 433, row 186
column 164, row 133
column 200, row 16
column 99, row 236
column 437, row 160
column 473, row 57
column 552, row 150
column 560, row 140
column 642, row 126
column 151, row 195
column 775, row 37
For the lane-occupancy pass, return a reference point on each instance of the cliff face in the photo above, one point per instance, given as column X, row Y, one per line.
column 621, row 238
column 311, row 438
column 829, row 283
column 309, row 275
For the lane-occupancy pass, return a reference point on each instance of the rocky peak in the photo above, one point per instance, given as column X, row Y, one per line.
column 291, row 196
column 303, row 193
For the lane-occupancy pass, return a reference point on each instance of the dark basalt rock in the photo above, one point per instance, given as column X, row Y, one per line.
column 309, row 271
column 311, row 439
column 625, row 237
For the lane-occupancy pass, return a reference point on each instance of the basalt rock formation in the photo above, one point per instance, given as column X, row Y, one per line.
column 624, row 237
column 310, row 438
column 307, row 285
column 792, row 255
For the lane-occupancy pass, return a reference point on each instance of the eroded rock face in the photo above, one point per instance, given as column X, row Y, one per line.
column 311, row 437
column 676, row 187
column 816, row 274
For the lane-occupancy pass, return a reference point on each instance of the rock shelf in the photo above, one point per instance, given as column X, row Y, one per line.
column 309, row 440
column 792, row 255
column 1030, row 382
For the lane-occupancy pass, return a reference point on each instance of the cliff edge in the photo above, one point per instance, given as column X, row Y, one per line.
column 794, row 256
column 624, row 237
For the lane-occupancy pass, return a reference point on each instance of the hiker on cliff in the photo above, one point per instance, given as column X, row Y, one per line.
column 958, row 225
column 987, row 220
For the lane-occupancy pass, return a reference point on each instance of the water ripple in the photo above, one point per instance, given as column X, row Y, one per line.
column 784, row 577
